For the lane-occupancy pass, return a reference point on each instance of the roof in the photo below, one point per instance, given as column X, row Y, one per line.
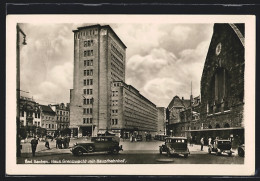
column 176, row 102
column 186, row 103
column 99, row 26
column 47, row 109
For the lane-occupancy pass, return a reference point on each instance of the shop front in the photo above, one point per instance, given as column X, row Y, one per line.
column 235, row 134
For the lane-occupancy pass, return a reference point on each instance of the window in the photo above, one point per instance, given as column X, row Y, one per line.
column 90, row 110
column 87, row 101
column 84, row 110
column 85, row 82
column 85, row 53
column 90, row 120
column 91, row 72
column 115, row 121
column 84, row 101
column 84, row 92
column 90, row 91
column 91, row 81
column 85, row 63
column 84, row 120
column 85, row 72
column 219, row 91
column 91, row 62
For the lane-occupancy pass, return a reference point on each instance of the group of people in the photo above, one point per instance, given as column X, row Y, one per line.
column 210, row 142
column 65, row 141
column 61, row 142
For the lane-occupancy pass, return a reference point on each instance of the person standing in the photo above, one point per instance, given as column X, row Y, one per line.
column 47, row 145
column 209, row 141
column 34, row 143
column 201, row 143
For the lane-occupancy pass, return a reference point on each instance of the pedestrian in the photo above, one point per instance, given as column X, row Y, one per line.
column 201, row 143
column 68, row 141
column 34, row 143
column 209, row 141
column 191, row 141
column 47, row 145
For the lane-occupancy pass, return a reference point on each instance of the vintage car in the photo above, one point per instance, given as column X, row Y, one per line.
column 139, row 138
column 220, row 146
column 108, row 144
column 175, row 146
column 241, row 150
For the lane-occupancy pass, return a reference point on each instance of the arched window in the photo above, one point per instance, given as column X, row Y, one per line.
column 219, row 89
column 226, row 125
column 217, row 126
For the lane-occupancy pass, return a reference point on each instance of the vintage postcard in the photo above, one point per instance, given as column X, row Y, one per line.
column 130, row 95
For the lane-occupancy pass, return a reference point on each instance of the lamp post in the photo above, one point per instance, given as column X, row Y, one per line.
column 18, row 31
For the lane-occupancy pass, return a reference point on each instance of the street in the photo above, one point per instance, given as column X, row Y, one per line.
column 133, row 153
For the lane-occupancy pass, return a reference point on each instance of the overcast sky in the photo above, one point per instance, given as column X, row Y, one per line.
column 161, row 60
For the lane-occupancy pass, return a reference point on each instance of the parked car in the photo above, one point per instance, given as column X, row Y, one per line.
column 175, row 146
column 139, row 138
column 241, row 150
column 108, row 144
column 220, row 146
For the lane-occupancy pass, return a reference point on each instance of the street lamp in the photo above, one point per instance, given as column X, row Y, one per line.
column 18, row 31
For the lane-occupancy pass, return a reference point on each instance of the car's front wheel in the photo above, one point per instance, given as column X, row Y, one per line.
column 78, row 152
column 115, row 151
column 230, row 154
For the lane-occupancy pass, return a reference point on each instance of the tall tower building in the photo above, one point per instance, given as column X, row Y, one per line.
column 99, row 59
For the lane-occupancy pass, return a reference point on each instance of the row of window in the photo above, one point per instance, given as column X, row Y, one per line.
column 48, row 118
column 36, row 115
column 117, row 61
column 114, row 93
column 114, row 121
column 85, row 33
column 87, row 101
column 87, row 120
column 114, row 102
column 88, row 63
column 117, row 84
column 88, row 91
column 114, row 111
column 62, row 113
column 87, row 111
column 117, row 52
column 115, row 77
column 88, row 53
column 116, row 69
column 87, row 82
column 88, row 43
column 62, row 118
column 88, row 72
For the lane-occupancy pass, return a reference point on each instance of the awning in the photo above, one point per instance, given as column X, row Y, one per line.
column 214, row 129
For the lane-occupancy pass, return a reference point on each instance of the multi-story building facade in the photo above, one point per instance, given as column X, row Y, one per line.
column 62, row 115
column 222, row 85
column 182, row 115
column 131, row 113
column 30, row 113
column 161, row 128
column 48, row 119
column 99, row 59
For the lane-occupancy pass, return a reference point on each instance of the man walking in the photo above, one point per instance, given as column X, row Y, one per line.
column 201, row 143
column 34, row 144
